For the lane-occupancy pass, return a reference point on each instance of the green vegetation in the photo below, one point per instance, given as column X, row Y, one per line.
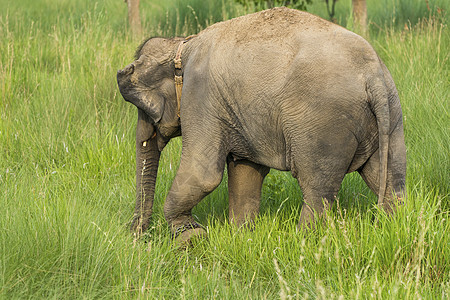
column 67, row 172
column 266, row 4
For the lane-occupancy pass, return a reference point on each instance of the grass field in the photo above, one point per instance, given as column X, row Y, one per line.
column 67, row 172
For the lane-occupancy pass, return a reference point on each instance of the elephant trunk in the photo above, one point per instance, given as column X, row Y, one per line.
column 147, row 161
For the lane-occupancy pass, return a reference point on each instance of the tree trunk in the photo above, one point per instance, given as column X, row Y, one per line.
column 360, row 15
column 332, row 11
column 133, row 16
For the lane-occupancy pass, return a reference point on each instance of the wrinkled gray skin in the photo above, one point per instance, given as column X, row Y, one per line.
column 276, row 89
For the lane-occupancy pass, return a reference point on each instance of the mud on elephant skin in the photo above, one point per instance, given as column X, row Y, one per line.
column 279, row 89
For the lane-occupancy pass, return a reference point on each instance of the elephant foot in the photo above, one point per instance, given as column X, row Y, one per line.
column 313, row 212
column 390, row 205
column 243, row 225
column 307, row 219
column 184, row 235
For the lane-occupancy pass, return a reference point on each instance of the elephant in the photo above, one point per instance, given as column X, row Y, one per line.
column 280, row 89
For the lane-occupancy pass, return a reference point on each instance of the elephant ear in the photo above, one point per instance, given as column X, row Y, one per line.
column 145, row 129
column 152, row 105
column 154, row 108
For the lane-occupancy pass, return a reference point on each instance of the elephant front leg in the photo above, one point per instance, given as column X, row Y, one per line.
column 200, row 172
column 245, row 180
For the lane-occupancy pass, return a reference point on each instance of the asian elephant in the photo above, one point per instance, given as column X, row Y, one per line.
column 279, row 89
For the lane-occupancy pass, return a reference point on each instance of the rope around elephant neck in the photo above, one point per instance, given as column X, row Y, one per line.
column 179, row 72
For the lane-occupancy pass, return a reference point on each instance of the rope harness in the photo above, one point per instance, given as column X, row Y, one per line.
column 179, row 72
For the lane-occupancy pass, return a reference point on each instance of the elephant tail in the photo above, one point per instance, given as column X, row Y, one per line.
column 379, row 104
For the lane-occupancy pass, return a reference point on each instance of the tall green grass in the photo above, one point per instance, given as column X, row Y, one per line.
column 382, row 13
column 67, row 177
column 181, row 17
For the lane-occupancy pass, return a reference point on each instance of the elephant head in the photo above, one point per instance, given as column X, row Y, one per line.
column 148, row 83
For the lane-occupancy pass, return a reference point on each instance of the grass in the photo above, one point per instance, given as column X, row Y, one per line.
column 381, row 13
column 67, row 177
column 181, row 17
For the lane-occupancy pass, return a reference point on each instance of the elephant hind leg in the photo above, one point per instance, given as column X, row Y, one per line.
column 245, row 180
column 320, row 169
column 316, row 202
